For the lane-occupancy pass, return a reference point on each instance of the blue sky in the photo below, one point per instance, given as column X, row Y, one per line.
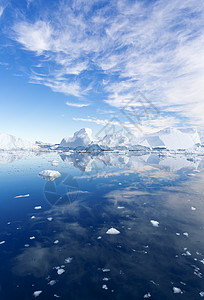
column 65, row 65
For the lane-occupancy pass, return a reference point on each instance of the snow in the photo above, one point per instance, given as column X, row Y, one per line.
column 81, row 138
column 112, row 231
column 10, row 142
column 37, row 293
column 49, row 175
column 22, row 196
column 155, row 223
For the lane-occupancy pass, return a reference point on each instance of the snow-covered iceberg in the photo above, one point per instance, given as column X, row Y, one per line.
column 10, row 142
column 49, row 175
column 173, row 139
column 80, row 139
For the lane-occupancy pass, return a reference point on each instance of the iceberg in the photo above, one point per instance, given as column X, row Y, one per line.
column 10, row 142
column 80, row 139
column 49, row 175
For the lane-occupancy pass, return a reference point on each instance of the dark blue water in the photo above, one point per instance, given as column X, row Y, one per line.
column 63, row 250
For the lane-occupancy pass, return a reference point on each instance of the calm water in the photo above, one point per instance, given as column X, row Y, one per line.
column 62, row 248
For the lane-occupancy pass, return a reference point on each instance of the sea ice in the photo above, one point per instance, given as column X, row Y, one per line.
column 177, row 290
column 32, row 237
column 104, row 286
column 56, row 242
column 112, row 231
column 22, row 196
column 148, row 295
column 155, row 223
column 2, row 242
column 49, row 219
column 185, row 233
column 60, row 271
column 52, row 282
column 37, row 207
column 37, row 293
column 68, row 260
column 55, row 163
column 193, row 208
column 201, row 294
column 49, row 175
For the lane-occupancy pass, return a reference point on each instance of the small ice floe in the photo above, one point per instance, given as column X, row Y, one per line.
column 22, row 196
column 104, row 286
column 2, row 242
column 177, row 233
column 154, row 223
column 105, row 270
column 37, row 207
column 49, row 175
column 186, row 234
column 60, row 271
column 191, row 174
column 201, row 294
column 49, row 219
column 68, row 260
column 32, row 237
column 37, row 293
column 99, row 238
column 119, row 183
column 26, row 245
column 193, row 208
column 148, row 295
column 105, row 279
column 56, row 242
column 112, row 231
column 181, row 282
column 186, row 253
column 55, row 295
column 120, row 207
column 52, row 282
column 33, row 217
column 55, row 163
column 177, row 290
column 202, row 261
column 153, row 282
column 9, row 223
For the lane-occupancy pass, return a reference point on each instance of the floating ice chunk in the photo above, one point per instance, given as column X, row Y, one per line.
column 112, row 231
column 55, row 295
column 202, row 261
column 49, row 175
column 155, row 223
column 2, row 242
column 49, row 219
column 191, row 174
column 177, row 290
column 105, row 279
column 22, row 196
column 120, row 207
column 186, row 234
column 52, row 282
column 105, row 270
column 193, row 208
column 119, row 183
column 148, row 295
column 37, row 293
column 68, row 260
column 33, row 217
column 177, row 233
column 99, row 238
column 56, row 242
column 60, row 271
column 32, row 237
column 104, row 286
column 26, row 245
column 201, row 294
column 37, row 207
column 54, row 163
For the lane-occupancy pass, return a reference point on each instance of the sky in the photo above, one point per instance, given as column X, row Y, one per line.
column 65, row 65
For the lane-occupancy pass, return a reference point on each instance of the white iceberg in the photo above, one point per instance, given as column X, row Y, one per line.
column 80, row 139
column 22, row 196
column 49, row 175
column 10, row 142
column 154, row 223
column 112, row 231
column 37, row 293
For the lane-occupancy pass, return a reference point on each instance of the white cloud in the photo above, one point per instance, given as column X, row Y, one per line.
column 156, row 48
column 77, row 104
